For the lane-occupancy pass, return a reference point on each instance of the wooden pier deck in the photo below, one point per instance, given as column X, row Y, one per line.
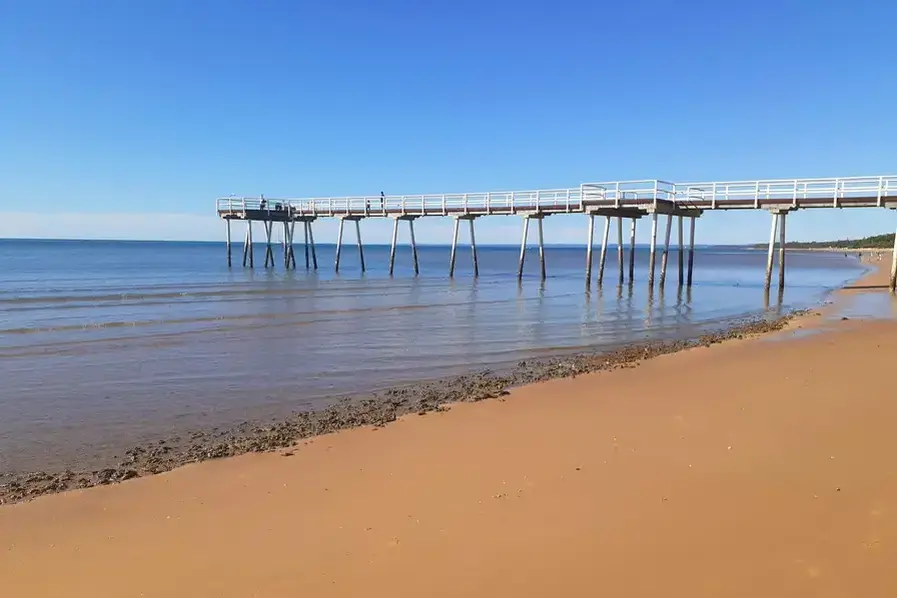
column 617, row 200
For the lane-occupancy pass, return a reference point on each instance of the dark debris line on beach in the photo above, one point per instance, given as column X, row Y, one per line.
column 377, row 410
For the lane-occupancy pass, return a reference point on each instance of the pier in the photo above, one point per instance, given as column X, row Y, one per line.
column 619, row 203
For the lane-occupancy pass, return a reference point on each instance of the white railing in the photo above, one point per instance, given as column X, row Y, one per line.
column 644, row 194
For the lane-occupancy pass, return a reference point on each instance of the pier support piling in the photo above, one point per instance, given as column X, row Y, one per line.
column 652, row 255
column 269, row 251
column 456, row 226
column 666, row 251
column 473, row 250
column 691, row 249
column 632, row 250
column 247, row 244
column 413, row 247
column 290, row 246
column 227, row 222
column 589, row 243
column 392, row 246
column 771, row 250
column 620, row 249
column 311, row 239
column 339, row 243
column 305, row 237
column 681, row 253
column 523, row 248
column 782, row 250
column 602, row 257
column 541, row 249
column 893, row 282
column 360, row 244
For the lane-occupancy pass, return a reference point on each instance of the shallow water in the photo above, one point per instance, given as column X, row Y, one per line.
column 107, row 344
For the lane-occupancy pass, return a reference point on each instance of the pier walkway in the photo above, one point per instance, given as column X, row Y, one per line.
column 615, row 200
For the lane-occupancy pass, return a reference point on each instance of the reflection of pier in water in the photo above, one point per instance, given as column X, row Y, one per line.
column 616, row 202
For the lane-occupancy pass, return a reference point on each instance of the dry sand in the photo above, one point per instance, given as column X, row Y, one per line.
column 764, row 467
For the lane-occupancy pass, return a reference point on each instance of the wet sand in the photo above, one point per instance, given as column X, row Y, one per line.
column 744, row 468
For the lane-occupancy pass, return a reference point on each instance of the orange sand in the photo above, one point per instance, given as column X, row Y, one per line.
column 754, row 468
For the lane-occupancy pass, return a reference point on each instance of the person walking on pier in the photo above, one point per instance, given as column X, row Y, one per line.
column 382, row 201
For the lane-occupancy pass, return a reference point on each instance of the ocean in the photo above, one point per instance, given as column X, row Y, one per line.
column 108, row 344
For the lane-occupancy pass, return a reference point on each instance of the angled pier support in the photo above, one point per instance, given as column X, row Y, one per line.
column 777, row 224
column 339, row 240
column 771, row 251
column 248, row 256
column 538, row 218
column 666, row 251
column 269, row 251
column 360, row 244
column 288, row 259
column 602, row 258
column 473, row 245
column 782, row 249
column 632, row 250
column 395, row 236
column 311, row 239
column 691, row 249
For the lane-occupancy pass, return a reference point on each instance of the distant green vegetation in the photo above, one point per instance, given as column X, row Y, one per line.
column 885, row 241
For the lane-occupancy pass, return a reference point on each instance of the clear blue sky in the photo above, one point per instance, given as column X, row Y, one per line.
column 116, row 117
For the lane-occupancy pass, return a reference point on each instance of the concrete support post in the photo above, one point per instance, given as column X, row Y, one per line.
column 269, row 252
column 681, row 254
column 653, row 252
column 589, row 242
column 227, row 223
column 392, row 246
column 305, row 238
column 893, row 282
column 666, row 251
column 602, row 257
column 632, row 250
column 691, row 249
column 413, row 247
column 311, row 239
column 291, row 262
column 523, row 248
column 782, row 250
column 360, row 244
column 339, row 242
column 473, row 249
column 620, row 249
column 771, row 250
column 454, row 247
column 541, row 249
column 247, row 245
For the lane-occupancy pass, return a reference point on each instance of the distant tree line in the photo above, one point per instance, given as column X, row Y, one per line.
column 885, row 241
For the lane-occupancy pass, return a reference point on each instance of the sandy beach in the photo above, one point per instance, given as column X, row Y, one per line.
column 762, row 466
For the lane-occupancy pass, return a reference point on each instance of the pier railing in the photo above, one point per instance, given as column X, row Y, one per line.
column 880, row 191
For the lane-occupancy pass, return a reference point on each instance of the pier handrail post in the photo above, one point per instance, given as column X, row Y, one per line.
column 771, row 250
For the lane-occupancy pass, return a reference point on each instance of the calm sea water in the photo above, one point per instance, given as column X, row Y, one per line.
column 107, row 344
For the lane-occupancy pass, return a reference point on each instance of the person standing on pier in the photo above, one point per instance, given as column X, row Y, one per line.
column 382, row 201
